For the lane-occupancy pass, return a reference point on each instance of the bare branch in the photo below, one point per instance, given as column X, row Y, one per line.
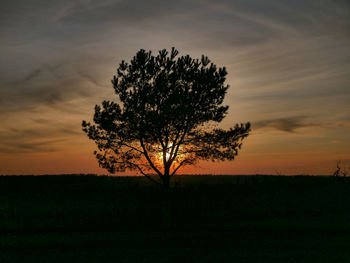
column 146, row 175
column 149, row 159
column 178, row 167
column 124, row 144
column 178, row 144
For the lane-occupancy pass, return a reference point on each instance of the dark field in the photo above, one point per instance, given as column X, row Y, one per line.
column 201, row 219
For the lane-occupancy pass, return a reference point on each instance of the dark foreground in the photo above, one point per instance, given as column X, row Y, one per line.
column 202, row 219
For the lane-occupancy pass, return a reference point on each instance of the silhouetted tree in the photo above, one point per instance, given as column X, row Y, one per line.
column 159, row 123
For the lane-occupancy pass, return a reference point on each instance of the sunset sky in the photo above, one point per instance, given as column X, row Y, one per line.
column 288, row 66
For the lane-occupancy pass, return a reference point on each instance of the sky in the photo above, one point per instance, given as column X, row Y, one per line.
column 288, row 66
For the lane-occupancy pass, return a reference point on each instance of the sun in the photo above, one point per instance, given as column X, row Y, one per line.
column 180, row 155
column 167, row 154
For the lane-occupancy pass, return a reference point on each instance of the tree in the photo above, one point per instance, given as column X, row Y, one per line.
column 160, row 122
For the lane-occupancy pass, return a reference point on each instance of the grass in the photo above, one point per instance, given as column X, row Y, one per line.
column 90, row 218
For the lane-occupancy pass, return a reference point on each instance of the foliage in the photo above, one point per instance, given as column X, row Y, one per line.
column 160, row 121
column 340, row 170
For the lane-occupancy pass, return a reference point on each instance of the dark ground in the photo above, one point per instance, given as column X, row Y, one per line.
column 202, row 219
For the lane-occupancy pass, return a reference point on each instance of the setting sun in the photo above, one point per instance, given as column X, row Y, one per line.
column 167, row 154
column 178, row 158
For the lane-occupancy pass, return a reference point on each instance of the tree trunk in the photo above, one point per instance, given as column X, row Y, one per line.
column 166, row 205
column 166, row 180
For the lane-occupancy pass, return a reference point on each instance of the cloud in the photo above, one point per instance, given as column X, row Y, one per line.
column 91, row 79
column 31, row 147
column 290, row 124
column 27, row 146
column 52, row 69
column 52, row 85
column 42, row 135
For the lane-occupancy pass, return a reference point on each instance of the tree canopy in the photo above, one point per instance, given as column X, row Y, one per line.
column 160, row 122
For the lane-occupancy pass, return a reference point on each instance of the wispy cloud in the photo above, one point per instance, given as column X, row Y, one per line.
column 44, row 135
column 290, row 124
column 51, row 85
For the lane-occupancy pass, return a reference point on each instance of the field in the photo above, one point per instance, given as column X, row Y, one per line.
column 86, row 218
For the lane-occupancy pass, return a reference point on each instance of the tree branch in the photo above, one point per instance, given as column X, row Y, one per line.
column 178, row 144
column 177, row 168
column 134, row 148
column 149, row 159
column 146, row 175
column 174, row 144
